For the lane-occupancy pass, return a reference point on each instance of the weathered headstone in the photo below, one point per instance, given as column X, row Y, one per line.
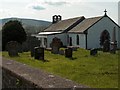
column 61, row 52
column 12, row 48
column 106, row 46
column 55, row 45
column 68, row 52
column 93, row 52
column 39, row 53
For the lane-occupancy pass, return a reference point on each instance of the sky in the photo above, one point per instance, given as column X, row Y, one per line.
column 45, row 9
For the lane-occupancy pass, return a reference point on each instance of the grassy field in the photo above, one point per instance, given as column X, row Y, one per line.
column 100, row 71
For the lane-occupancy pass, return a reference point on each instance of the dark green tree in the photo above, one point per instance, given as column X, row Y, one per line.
column 13, row 31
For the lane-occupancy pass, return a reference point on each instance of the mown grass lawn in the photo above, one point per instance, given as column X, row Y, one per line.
column 99, row 71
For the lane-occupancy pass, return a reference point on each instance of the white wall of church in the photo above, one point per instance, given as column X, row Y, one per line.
column 95, row 31
column 82, row 43
column 60, row 36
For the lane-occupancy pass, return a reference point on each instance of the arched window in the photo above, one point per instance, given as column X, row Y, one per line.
column 77, row 39
column 70, row 41
column 67, row 39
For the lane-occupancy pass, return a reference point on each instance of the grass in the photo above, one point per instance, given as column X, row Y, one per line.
column 100, row 71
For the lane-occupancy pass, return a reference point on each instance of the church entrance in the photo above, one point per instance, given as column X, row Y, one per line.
column 105, row 40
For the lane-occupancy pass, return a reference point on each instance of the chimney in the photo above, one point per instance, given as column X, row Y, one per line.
column 56, row 18
column 59, row 17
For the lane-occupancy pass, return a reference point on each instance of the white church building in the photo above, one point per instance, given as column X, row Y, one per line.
column 80, row 31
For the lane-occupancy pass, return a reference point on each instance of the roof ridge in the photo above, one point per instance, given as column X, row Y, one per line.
column 73, row 18
column 94, row 17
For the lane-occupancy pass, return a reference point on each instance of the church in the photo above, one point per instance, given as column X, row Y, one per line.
column 80, row 31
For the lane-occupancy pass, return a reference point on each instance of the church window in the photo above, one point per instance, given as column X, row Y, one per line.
column 77, row 39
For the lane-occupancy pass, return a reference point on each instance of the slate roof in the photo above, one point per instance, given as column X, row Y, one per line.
column 81, row 24
column 62, row 25
column 85, row 24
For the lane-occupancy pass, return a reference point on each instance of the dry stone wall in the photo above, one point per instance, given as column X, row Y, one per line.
column 24, row 77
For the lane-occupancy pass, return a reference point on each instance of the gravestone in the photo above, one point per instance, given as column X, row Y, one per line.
column 12, row 48
column 93, row 52
column 113, row 47
column 34, row 42
column 55, row 45
column 114, row 42
column 68, row 52
column 61, row 52
column 106, row 46
column 39, row 53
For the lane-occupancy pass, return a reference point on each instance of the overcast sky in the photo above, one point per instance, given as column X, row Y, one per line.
column 45, row 9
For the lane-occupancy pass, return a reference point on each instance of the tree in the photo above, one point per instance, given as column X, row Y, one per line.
column 13, row 31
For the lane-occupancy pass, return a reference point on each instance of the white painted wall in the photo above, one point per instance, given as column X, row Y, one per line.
column 63, row 37
column 95, row 31
column 82, row 42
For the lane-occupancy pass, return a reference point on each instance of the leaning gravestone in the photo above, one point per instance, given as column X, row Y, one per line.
column 68, row 52
column 39, row 53
column 12, row 48
column 55, row 45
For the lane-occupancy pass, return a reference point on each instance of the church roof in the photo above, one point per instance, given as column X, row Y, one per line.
column 85, row 24
column 63, row 24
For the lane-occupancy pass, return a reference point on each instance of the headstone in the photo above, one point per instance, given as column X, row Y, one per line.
column 61, row 52
column 93, row 52
column 55, row 49
column 12, row 48
column 34, row 42
column 39, row 53
column 114, row 42
column 55, row 45
column 68, row 52
column 106, row 46
column 113, row 47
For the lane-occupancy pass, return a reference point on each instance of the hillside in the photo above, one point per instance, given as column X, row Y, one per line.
column 30, row 25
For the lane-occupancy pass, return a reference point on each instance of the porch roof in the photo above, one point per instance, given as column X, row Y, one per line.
column 48, row 33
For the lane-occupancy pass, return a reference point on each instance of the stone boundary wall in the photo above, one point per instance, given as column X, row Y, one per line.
column 24, row 77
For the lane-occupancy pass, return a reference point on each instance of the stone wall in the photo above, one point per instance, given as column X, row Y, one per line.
column 24, row 77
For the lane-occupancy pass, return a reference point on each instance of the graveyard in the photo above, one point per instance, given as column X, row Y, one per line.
column 96, row 71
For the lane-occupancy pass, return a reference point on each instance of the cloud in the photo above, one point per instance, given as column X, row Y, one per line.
column 36, row 6
column 58, row 3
